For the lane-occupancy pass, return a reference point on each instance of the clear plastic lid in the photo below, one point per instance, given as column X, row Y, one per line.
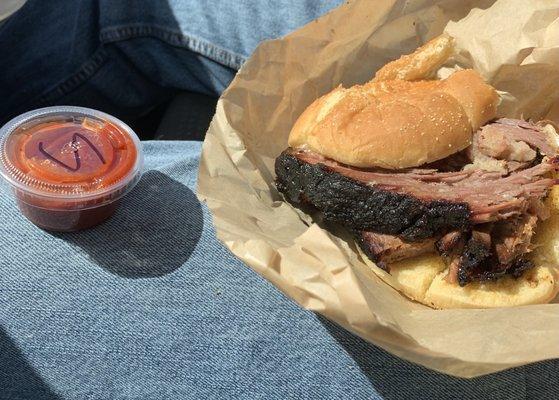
column 72, row 155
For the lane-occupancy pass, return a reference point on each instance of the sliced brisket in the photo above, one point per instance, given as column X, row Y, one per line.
column 450, row 244
column 486, row 253
column 363, row 207
column 424, row 202
column 478, row 262
column 512, row 238
column 523, row 131
column 507, row 145
column 489, row 251
column 386, row 249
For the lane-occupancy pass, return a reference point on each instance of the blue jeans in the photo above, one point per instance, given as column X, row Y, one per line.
column 127, row 56
column 149, row 305
column 126, row 311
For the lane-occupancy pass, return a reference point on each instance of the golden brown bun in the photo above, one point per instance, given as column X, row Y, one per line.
column 423, row 278
column 397, row 123
column 421, row 64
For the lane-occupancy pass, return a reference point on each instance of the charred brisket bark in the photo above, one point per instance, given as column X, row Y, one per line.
column 362, row 207
column 479, row 263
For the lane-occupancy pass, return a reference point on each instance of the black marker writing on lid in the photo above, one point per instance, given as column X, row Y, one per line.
column 76, row 153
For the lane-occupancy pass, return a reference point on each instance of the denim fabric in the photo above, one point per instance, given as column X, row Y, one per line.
column 150, row 305
column 127, row 56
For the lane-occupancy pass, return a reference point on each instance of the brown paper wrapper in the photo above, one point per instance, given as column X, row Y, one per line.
column 514, row 44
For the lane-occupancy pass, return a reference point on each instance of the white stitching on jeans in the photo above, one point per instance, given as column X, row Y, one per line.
column 175, row 38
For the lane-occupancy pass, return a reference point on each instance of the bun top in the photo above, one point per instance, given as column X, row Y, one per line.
column 398, row 123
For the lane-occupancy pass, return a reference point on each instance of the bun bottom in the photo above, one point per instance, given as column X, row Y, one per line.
column 423, row 278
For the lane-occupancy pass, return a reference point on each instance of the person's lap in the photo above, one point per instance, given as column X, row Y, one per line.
column 150, row 304
column 125, row 57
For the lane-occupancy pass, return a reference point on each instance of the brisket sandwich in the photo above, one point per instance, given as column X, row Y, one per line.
column 443, row 198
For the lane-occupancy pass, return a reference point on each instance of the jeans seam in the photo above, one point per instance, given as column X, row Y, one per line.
column 175, row 38
column 86, row 71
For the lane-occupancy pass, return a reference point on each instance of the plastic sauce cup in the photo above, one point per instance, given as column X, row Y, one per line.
column 69, row 166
